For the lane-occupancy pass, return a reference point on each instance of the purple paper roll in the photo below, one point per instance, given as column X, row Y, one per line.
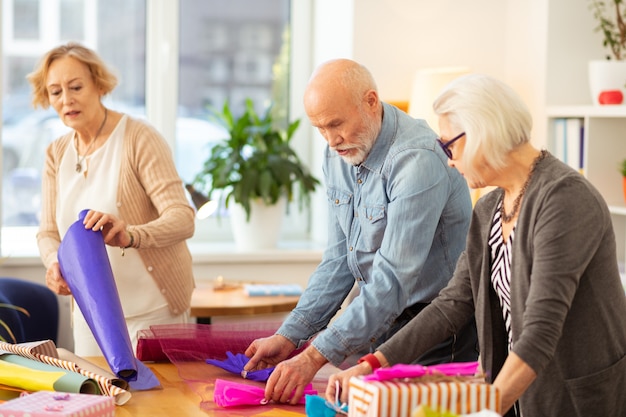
column 85, row 266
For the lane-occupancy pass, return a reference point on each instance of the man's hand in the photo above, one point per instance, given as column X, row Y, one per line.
column 287, row 382
column 268, row 351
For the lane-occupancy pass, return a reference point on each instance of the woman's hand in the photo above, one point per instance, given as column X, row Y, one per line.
column 113, row 228
column 341, row 379
column 55, row 281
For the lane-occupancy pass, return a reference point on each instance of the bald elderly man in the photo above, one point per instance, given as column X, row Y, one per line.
column 398, row 219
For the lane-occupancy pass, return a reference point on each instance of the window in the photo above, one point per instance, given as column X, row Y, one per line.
column 226, row 49
column 229, row 51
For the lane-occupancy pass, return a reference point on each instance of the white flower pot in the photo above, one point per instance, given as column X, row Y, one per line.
column 605, row 75
column 262, row 230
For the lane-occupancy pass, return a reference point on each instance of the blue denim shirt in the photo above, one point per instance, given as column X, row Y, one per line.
column 397, row 224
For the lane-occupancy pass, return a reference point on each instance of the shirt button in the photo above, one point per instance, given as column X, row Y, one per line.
column 150, row 268
column 337, row 201
column 372, row 340
column 118, row 204
column 359, row 181
column 163, row 290
column 351, row 248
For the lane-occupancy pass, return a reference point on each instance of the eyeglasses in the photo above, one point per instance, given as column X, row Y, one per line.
column 445, row 146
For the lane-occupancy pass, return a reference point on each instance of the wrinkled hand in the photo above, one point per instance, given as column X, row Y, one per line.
column 55, row 281
column 268, row 351
column 293, row 375
column 343, row 378
column 113, row 228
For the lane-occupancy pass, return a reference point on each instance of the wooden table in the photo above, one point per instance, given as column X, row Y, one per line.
column 208, row 302
column 179, row 398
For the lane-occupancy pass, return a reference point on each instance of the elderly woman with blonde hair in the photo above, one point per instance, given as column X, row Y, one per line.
column 121, row 169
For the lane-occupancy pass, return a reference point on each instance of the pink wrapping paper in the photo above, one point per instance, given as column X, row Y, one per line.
column 52, row 404
column 232, row 394
column 85, row 266
column 416, row 371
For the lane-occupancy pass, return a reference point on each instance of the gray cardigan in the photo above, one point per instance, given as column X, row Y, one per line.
column 567, row 301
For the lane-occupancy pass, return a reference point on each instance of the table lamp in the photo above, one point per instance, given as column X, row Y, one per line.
column 204, row 206
column 427, row 84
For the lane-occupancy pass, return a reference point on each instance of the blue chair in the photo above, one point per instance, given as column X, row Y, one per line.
column 42, row 306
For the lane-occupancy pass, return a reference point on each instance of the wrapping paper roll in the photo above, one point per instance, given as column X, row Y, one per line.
column 85, row 265
column 45, row 351
column 84, row 364
column 31, row 375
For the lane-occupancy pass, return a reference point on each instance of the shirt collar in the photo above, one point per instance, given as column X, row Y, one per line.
column 384, row 140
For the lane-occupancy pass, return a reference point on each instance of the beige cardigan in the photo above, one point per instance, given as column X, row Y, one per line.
column 151, row 200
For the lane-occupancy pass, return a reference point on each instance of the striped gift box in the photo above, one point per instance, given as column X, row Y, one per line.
column 396, row 398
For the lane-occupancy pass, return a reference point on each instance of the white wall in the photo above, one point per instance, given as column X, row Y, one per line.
column 506, row 39
column 394, row 38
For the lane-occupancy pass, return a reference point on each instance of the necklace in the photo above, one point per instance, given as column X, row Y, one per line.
column 508, row 217
column 80, row 160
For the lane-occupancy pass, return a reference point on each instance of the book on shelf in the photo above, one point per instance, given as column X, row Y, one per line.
column 569, row 141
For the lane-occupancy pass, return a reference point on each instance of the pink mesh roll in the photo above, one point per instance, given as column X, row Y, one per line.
column 188, row 346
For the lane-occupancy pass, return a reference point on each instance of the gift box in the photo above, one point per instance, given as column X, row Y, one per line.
column 58, row 404
column 399, row 398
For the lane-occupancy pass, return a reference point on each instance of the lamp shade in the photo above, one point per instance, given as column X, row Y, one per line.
column 204, row 206
column 427, row 84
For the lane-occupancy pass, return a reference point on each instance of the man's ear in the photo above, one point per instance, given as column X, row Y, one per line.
column 371, row 98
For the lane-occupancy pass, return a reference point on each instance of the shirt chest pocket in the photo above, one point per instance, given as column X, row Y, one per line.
column 373, row 221
column 340, row 206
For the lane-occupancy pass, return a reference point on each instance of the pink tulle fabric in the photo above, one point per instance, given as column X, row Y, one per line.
column 232, row 394
column 188, row 346
column 416, row 371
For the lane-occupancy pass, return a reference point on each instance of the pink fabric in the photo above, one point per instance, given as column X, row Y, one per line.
column 415, row 371
column 188, row 346
column 231, row 394
column 184, row 342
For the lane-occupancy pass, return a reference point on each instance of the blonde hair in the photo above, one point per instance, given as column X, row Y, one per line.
column 102, row 76
column 492, row 115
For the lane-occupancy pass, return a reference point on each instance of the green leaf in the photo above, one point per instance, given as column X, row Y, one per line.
column 255, row 161
column 5, row 326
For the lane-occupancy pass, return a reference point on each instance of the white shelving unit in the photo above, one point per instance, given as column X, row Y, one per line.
column 604, row 147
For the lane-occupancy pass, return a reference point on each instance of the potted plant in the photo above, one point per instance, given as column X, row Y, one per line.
column 255, row 166
column 6, row 327
column 607, row 78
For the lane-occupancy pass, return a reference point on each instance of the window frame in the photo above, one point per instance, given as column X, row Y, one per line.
column 162, row 34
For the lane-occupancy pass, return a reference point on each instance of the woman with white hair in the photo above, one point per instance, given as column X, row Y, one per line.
column 539, row 272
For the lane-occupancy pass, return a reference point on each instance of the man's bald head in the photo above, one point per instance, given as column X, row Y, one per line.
column 341, row 101
column 340, row 77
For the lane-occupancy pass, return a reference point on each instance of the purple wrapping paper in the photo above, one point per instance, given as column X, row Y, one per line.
column 85, row 266
column 236, row 363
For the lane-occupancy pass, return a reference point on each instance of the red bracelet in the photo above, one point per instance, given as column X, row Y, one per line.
column 371, row 359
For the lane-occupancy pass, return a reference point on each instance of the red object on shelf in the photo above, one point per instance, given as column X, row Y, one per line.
column 611, row 97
